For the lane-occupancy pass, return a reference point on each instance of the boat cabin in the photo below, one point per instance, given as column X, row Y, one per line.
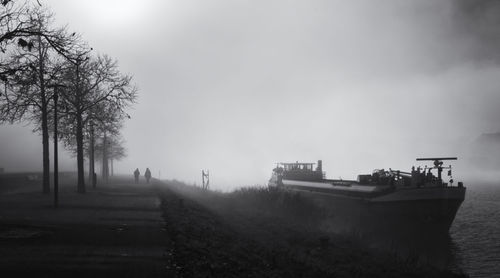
column 298, row 166
column 300, row 171
column 418, row 177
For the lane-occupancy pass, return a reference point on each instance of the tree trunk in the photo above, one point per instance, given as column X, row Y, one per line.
column 90, row 165
column 91, row 158
column 79, row 153
column 105, row 167
column 45, row 148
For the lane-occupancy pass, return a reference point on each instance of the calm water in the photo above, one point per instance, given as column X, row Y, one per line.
column 475, row 234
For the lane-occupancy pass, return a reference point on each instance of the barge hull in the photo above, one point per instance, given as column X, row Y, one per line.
column 391, row 213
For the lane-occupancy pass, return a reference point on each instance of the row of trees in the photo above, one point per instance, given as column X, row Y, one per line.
column 44, row 67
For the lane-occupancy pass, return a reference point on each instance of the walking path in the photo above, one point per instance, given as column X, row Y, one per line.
column 115, row 230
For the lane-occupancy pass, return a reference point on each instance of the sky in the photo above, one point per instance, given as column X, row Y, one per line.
column 234, row 86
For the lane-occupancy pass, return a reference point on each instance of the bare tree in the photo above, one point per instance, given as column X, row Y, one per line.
column 102, row 128
column 108, row 124
column 117, row 151
column 32, row 69
column 110, row 147
column 17, row 25
column 94, row 84
column 87, row 82
column 14, row 22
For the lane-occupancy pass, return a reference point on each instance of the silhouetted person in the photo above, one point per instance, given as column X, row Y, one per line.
column 147, row 174
column 136, row 175
column 429, row 176
column 413, row 176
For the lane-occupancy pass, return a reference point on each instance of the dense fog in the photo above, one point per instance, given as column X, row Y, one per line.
column 236, row 86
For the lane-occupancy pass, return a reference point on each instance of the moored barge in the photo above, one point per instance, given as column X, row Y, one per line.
column 388, row 201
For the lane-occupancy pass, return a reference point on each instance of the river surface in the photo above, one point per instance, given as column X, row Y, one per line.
column 475, row 234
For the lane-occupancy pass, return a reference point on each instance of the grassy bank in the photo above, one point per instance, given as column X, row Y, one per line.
column 261, row 232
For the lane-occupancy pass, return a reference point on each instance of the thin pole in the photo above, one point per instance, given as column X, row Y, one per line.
column 56, row 166
column 203, row 179
column 92, row 159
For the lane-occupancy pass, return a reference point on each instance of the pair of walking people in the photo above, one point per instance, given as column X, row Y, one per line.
column 147, row 175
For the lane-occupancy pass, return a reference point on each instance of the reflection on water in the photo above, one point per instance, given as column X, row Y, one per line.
column 441, row 252
column 476, row 231
column 473, row 246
